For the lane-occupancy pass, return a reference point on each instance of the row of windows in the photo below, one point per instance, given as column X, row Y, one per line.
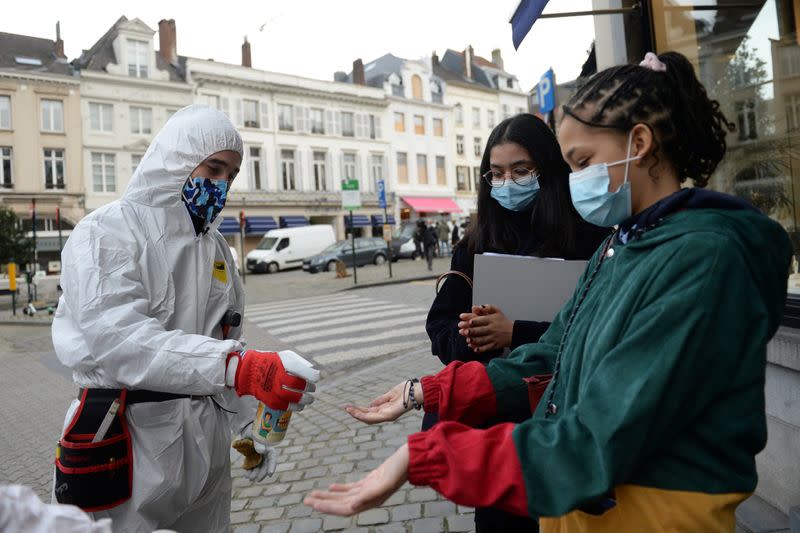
column 477, row 115
column 423, row 177
column 319, row 167
column 52, row 168
column 294, row 118
column 101, row 116
column 463, row 183
column 104, row 175
column 477, row 145
column 419, row 124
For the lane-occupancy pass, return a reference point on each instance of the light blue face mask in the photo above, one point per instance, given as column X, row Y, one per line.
column 515, row 197
column 591, row 197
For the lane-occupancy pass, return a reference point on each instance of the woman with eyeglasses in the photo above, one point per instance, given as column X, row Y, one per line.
column 524, row 208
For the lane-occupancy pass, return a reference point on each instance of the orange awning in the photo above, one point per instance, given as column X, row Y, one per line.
column 431, row 205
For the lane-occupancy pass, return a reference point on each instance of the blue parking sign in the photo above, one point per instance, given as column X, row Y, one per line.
column 381, row 194
column 546, row 92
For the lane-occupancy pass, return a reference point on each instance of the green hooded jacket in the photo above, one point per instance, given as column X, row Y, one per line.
column 661, row 382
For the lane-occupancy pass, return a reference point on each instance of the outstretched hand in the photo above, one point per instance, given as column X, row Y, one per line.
column 386, row 407
column 370, row 492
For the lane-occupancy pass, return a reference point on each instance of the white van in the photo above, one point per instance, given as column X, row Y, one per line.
column 286, row 248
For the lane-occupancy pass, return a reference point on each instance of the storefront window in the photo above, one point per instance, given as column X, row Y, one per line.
column 748, row 57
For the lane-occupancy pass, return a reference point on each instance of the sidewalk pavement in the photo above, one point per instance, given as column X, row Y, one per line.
column 325, row 445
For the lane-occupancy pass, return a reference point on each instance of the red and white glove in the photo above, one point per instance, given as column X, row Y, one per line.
column 282, row 380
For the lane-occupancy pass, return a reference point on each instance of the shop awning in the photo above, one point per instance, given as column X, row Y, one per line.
column 359, row 221
column 293, row 221
column 432, row 205
column 229, row 226
column 377, row 220
column 259, row 225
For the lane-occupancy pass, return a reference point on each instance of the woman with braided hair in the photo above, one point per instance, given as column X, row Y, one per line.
column 654, row 412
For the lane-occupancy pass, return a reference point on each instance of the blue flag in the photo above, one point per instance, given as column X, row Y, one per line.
column 523, row 18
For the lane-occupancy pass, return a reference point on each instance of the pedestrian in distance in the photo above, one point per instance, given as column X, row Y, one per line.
column 149, row 322
column 454, row 238
column 631, row 432
column 524, row 208
column 427, row 238
column 443, row 234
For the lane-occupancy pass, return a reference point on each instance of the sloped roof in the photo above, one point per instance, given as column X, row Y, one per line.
column 33, row 54
column 102, row 53
column 453, row 63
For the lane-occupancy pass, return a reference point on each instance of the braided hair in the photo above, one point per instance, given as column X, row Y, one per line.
column 688, row 126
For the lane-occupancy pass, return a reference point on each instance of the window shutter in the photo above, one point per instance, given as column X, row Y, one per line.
column 279, row 170
column 312, row 184
column 298, row 118
column 378, row 128
column 239, row 112
column 337, row 122
column 329, row 172
column 298, row 170
column 330, row 127
column 341, row 166
column 225, row 103
column 358, row 172
column 264, row 115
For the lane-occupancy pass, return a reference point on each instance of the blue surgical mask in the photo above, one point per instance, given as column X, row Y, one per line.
column 515, row 197
column 205, row 197
column 591, row 197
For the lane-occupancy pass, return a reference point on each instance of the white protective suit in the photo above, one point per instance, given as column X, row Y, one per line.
column 21, row 511
column 141, row 309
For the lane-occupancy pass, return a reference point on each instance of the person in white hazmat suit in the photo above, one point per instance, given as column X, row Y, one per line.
column 145, row 320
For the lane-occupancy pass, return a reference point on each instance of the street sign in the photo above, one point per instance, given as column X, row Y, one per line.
column 381, row 194
column 546, row 92
column 351, row 196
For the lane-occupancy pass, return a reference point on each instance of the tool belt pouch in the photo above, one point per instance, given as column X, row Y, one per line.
column 536, row 387
column 95, row 476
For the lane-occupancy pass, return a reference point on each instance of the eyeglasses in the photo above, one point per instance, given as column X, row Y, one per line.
column 519, row 175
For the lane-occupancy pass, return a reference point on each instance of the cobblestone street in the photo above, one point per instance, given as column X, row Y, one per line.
column 323, row 444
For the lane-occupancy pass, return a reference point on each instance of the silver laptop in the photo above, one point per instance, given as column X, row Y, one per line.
column 525, row 288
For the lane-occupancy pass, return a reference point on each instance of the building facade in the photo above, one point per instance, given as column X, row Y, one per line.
column 481, row 95
column 40, row 141
column 128, row 92
column 419, row 126
column 302, row 137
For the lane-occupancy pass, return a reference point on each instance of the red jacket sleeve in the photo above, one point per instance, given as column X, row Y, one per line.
column 461, row 392
column 474, row 467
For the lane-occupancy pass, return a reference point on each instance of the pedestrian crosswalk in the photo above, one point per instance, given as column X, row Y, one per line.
column 341, row 328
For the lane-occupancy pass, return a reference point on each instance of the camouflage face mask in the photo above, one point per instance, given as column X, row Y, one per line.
column 205, row 197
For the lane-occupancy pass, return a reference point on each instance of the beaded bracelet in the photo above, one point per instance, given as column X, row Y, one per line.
column 414, row 403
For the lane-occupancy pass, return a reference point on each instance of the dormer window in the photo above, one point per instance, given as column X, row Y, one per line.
column 138, row 58
column 397, row 85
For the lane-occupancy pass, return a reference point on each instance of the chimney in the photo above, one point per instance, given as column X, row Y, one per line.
column 58, row 49
column 497, row 58
column 468, row 53
column 434, row 59
column 167, row 41
column 247, row 60
column 358, row 72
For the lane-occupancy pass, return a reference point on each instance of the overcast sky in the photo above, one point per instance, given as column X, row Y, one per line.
column 314, row 38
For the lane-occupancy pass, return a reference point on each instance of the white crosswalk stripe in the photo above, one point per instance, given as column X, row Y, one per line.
column 300, row 304
column 342, row 328
column 314, row 313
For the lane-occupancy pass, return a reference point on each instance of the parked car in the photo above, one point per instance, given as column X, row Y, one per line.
column 368, row 250
column 403, row 246
column 287, row 248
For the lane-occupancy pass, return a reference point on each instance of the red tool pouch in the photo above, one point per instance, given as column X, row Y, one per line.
column 95, row 476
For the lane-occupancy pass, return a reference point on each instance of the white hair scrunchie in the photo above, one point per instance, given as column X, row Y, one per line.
column 652, row 62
